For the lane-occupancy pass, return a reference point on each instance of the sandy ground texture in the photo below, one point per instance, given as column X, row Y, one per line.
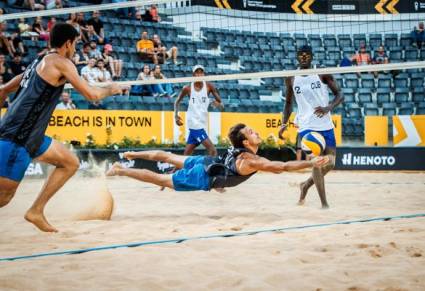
column 386, row 255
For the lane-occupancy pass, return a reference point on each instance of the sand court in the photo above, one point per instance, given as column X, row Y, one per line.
column 379, row 255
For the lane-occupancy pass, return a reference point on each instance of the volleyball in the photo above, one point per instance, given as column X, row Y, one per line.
column 313, row 143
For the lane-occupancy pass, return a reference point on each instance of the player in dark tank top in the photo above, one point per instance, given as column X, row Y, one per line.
column 206, row 172
column 23, row 127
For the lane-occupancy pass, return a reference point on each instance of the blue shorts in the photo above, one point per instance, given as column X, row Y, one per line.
column 15, row 159
column 197, row 136
column 328, row 135
column 193, row 176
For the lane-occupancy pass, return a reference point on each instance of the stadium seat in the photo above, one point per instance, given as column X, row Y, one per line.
column 405, row 40
column 329, row 40
column 334, row 54
column 384, row 81
column 368, row 81
column 389, row 109
column 401, row 81
column 396, row 54
column 406, row 108
column 351, row 81
column 391, row 40
column 319, row 53
column 370, row 109
column 375, row 40
column 383, row 96
column 401, row 95
column 420, row 108
column 344, row 40
column 354, row 110
column 359, row 39
column 411, row 54
column 315, row 40
column 418, row 97
column 416, row 81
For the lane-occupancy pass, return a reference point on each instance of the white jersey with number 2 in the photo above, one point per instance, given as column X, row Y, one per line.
column 197, row 112
column 310, row 92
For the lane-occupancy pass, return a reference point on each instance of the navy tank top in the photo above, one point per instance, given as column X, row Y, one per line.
column 222, row 169
column 28, row 115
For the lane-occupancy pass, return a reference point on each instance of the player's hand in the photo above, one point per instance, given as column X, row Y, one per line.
column 321, row 111
column 321, row 161
column 179, row 120
column 282, row 130
column 218, row 105
column 128, row 155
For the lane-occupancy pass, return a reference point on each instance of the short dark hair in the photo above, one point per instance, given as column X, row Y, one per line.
column 236, row 136
column 86, row 45
column 61, row 33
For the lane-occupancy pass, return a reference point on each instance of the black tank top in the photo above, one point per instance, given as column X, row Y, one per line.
column 222, row 170
column 28, row 116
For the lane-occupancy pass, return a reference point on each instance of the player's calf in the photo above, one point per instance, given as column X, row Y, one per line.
column 6, row 195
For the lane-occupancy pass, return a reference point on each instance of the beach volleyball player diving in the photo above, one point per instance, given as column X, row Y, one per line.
column 195, row 173
column 313, row 115
column 22, row 128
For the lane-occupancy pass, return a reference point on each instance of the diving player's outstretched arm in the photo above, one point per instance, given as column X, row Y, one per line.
column 288, row 106
column 92, row 93
column 339, row 98
column 251, row 165
column 8, row 88
column 185, row 92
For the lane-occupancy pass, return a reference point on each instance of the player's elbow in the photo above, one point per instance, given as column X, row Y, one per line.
column 91, row 96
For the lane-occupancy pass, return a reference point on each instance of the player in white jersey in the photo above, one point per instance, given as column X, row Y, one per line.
column 197, row 112
column 314, row 114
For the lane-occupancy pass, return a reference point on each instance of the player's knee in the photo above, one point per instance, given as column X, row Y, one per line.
column 73, row 165
column 6, row 196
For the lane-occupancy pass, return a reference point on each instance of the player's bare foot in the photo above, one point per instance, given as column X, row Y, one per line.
column 38, row 219
column 325, row 206
column 303, row 192
column 301, row 202
column 114, row 170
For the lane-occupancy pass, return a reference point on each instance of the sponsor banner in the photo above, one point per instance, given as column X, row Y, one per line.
column 409, row 130
column 380, row 158
column 320, row 6
column 376, row 130
column 105, row 125
column 268, row 125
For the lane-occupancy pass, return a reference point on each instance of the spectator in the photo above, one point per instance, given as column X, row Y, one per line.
column 362, row 57
column 103, row 75
column 82, row 58
column 66, row 102
column 94, row 51
column 418, row 35
column 97, row 105
column 5, row 71
column 16, row 65
column 112, row 62
column 145, row 48
column 163, row 89
column 52, row 4
column 162, row 52
column 38, row 27
column 138, row 15
column 83, row 25
column 345, row 62
column 51, row 23
column 147, row 16
column 93, row 36
column 145, row 75
column 33, row 5
column 90, row 72
column 16, row 43
column 5, row 45
column 25, row 30
column 72, row 19
column 380, row 56
column 154, row 13
column 124, row 12
column 97, row 24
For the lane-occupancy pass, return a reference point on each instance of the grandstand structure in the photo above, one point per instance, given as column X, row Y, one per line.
column 227, row 50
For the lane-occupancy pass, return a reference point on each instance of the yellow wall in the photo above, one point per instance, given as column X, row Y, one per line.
column 376, row 130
